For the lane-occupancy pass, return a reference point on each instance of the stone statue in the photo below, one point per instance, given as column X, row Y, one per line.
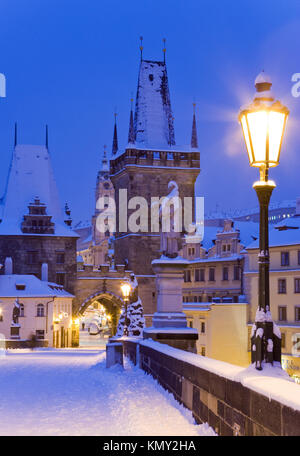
column 16, row 313
column 170, row 241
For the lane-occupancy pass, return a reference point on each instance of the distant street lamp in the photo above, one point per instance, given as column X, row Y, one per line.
column 126, row 288
column 263, row 123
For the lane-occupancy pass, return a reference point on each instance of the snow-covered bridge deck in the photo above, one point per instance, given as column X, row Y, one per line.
column 70, row 392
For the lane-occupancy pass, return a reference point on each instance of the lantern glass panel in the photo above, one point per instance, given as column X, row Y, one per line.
column 258, row 127
column 276, row 127
column 247, row 139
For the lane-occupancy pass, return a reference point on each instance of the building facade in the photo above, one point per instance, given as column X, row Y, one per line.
column 45, row 312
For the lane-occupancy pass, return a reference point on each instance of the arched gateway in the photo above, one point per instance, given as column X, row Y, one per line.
column 103, row 286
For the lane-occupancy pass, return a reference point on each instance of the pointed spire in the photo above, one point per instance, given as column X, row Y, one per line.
column 141, row 47
column 194, row 140
column 46, row 140
column 16, row 134
column 164, row 49
column 115, row 138
column 131, row 135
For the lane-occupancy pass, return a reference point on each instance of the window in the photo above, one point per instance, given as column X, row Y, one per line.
column 202, row 351
column 60, row 278
column 282, row 313
column 199, row 275
column 297, row 313
column 40, row 311
column 191, row 251
column 224, row 248
column 22, row 310
column 235, row 299
column 191, row 323
column 187, row 276
column 225, row 273
column 195, row 299
column 202, row 327
column 236, row 273
column 297, row 285
column 228, row 247
column 283, row 339
column 40, row 334
column 285, row 258
column 199, row 298
column 211, row 274
column 60, row 257
column 32, row 257
column 281, row 286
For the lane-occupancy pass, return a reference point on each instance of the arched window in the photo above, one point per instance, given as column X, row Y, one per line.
column 40, row 310
column 22, row 310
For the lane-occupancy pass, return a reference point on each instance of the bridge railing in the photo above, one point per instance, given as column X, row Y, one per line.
column 231, row 399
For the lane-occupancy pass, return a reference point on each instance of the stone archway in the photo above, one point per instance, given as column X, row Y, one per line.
column 112, row 302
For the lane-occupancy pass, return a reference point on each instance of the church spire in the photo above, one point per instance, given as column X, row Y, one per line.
column 131, row 135
column 194, row 139
column 164, row 49
column 141, row 47
column 115, row 138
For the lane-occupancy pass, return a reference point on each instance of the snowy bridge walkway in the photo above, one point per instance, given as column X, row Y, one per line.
column 70, row 392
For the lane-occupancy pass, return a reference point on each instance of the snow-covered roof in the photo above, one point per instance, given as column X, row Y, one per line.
column 286, row 232
column 31, row 287
column 153, row 120
column 248, row 231
column 262, row 78
column 31, row 176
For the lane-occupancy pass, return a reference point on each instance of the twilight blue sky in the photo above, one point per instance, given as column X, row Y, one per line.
column 69, row 63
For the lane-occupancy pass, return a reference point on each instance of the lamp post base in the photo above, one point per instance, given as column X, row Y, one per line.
column 265, row 340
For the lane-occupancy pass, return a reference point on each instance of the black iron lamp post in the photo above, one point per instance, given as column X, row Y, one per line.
column 263, row 123
column 126, row 288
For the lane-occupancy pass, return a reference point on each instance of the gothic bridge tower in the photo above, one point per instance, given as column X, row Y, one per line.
column 149, row 162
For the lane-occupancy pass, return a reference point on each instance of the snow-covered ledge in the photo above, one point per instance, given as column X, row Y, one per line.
column 232, row 399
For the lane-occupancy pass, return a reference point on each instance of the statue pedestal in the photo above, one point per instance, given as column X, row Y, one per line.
column 169, row 322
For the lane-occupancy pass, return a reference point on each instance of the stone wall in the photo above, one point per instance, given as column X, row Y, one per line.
column 17, row 247
column 226, row 405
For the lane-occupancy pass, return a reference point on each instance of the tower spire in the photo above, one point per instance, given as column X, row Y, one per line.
column 164, row 49
column 115, row 138
column 141, row 47
column 194, row 139
column 131, row 135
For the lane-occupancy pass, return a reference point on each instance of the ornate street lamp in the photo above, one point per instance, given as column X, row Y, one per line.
column 126, row 289
column 263, row 123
